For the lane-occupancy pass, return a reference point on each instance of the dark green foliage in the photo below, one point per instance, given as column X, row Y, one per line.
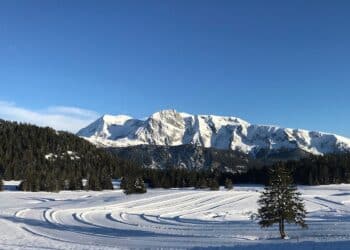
column 93, row 183
column 314, row 170
column 201, row 183
column 23, row 186
column 73, row 183
column 228, row 184
column 214, row 184
column 322, row 170
column 106, row 182
column 307, row 169
column 133, row 185
column 178, row 178
column 23, row 149
column 1, row 184
column 327, row 169
column 280, row 202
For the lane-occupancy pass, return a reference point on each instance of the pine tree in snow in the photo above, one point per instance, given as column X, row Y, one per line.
column 280, row 202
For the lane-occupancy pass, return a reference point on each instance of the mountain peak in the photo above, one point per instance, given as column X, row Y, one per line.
column 167, row 113
column 115, row 119
column 171, row 128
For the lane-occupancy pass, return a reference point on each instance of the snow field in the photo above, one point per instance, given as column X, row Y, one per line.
column 175, row 218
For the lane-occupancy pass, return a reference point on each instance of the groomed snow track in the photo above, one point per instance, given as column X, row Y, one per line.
column 166, row 219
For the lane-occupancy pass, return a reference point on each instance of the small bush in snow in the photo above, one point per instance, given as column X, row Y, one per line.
column 132, row 185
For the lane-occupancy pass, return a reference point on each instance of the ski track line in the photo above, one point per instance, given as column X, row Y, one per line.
column 182, row 217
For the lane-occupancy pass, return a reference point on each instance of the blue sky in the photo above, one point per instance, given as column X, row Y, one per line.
column 63, row 63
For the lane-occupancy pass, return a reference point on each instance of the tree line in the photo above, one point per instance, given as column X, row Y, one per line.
column 313, row 170
column 48, row 160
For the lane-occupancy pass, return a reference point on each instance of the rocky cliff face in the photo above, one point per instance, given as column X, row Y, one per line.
column 172, row 128
column 190, row 157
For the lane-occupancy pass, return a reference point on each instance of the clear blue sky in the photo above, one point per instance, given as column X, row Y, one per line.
column 270, row 62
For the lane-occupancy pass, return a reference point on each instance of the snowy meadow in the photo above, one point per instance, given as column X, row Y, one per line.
column 174, row 218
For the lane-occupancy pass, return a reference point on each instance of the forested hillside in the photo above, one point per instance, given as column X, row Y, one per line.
column 313, row 170
column 188, row 156
column 49, row 160
column 190, row 165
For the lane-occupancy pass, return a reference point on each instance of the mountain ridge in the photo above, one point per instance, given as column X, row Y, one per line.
column 172, row 128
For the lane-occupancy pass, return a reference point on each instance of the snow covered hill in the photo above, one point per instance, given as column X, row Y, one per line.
column 172, row 128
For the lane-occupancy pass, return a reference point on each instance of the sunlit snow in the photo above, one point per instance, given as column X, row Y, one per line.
column 175, row 218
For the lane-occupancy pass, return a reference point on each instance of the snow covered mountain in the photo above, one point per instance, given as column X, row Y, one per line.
column 172, row 128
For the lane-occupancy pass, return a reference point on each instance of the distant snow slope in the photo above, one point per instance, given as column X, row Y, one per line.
column 167, row 219
column 171, row 128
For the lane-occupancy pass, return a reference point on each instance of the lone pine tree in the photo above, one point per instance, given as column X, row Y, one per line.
column 281, row 202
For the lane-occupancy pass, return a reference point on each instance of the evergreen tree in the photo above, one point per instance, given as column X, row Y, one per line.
column 139, row 186
column 280, row 202
column 106, row 183
column 201, row 183
column 23, row 186
column 123, row 184
column 165, row 182
column 1, row 185
column 228, row 184
column 47, row 160
column 74, row 183
column 132, row 184
column 214, row 184
column 93, row 183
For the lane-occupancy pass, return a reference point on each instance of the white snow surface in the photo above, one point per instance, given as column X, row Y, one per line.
column 172, row 128
column 72, row 156
column 162, row 219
